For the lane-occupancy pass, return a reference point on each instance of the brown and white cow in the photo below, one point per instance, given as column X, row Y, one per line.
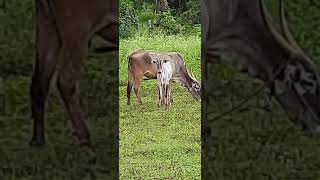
column 140, row 66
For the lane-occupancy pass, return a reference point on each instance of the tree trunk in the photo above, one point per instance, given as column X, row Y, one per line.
column 163, row 5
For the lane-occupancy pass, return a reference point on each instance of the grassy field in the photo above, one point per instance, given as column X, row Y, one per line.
column 154, row 143
column 257, row 140
column 62, row 158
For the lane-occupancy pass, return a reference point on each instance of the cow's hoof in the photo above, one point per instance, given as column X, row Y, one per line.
column 37, row 142
column 90, row 153
column 316, row 130
column 128, row 103
column 86, row 144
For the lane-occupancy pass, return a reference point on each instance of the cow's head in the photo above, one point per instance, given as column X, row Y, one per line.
column 159, row 62
column 194, row 86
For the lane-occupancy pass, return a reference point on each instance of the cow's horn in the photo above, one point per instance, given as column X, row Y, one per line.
column 285, row 29
column 267, row 19
column 192, row 75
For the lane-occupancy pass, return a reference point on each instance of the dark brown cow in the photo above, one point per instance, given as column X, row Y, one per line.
column 241, row 33
column 64, row 28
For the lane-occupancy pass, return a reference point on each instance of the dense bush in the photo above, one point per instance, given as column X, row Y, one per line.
column 128, row 20
column 177, row 19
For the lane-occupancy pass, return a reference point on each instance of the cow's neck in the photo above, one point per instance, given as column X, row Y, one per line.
column 185, row 80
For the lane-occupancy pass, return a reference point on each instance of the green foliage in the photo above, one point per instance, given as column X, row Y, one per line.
column 191, row 15
column 128, row 20
column 168, row 22
column 146, row 13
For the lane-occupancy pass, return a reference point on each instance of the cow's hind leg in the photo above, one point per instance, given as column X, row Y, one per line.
column 129, row 89
column 68, row 85
column 129, row 86
column 47, row 52
column 137, row 87
column 39, row 90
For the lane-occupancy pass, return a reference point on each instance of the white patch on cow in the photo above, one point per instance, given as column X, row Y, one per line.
column 166, row 72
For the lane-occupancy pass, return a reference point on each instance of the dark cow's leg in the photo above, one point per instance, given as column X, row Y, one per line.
column 129, row 89
column 46, row 59
column 129, row 86
column 163, row 95
column 68, row 85
column 169, row 93
column 167, row 96
column 137, row 86
column 159, row 95
column 137, row 90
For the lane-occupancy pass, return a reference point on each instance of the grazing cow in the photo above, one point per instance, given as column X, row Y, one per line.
column 241, row 33
column 164, row 77
column 140, row 65
column 64, row 28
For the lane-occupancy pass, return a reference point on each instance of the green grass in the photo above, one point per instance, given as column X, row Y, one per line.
column 256, row 141
column 155, row 143
column 61, row 158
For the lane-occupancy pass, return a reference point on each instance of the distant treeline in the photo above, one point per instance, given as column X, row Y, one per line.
column 159, row 16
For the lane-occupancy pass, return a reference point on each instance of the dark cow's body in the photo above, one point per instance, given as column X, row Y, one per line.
column 241, row 33
column 64, row 28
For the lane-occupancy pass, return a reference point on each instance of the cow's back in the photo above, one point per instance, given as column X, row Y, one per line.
column 140, row 61
column 78, row 16
column 177, row 63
